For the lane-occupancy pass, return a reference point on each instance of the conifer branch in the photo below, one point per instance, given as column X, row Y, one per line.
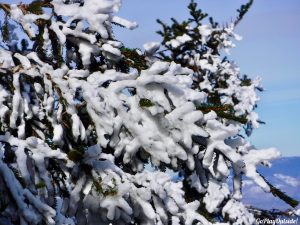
column 5, row 7
column 242, row 11
column 283, row 196
column 32, row 7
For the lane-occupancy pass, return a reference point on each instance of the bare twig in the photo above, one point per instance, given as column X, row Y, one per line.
column 5, row 7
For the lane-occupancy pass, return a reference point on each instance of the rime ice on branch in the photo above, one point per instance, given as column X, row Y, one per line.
column 82, row 117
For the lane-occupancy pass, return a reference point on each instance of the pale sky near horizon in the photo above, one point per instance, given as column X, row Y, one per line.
column 270, row 49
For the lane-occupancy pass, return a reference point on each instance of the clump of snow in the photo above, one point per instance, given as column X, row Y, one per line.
column 80, row 135
column 95, row 13
column 215, row 196
column 151, row 47
column 178, row 41
column 26, row 20
column 6, row 61
column 205, row 31
column 297, row 212
column 237, row 213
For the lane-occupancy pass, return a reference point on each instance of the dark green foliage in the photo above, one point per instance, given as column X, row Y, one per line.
column 18, row 176
column 5, row 30
column 240, row 119
column 145, row 103
column 58, row 176
column 196, row 13
column 38, row 44
column 223, row 111
column 76, row 155
column 217, row 79
column 35, row 7
column 132, row 59
column 243, row 10
column 106, row 191
column 246, row 81
column 56, row 49
column 196, row 46
column 9, row 154
column 40, row 185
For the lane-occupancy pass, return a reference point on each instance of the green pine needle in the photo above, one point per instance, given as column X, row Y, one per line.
column 144, row 102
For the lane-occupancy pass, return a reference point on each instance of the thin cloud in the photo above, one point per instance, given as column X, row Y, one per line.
column 287, row 179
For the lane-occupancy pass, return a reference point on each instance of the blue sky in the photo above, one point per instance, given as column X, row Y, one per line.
column 270, row 49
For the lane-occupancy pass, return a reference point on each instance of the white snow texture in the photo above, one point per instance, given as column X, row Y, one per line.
column 74, row 142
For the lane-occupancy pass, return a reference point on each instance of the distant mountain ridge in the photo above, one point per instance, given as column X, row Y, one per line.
column 285, row 165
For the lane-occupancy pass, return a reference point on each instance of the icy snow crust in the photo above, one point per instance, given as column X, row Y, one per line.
column 163, row 132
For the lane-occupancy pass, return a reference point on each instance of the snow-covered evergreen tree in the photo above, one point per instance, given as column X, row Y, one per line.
column 91, row 131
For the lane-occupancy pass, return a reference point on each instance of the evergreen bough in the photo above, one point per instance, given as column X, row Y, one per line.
column 91, row 131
